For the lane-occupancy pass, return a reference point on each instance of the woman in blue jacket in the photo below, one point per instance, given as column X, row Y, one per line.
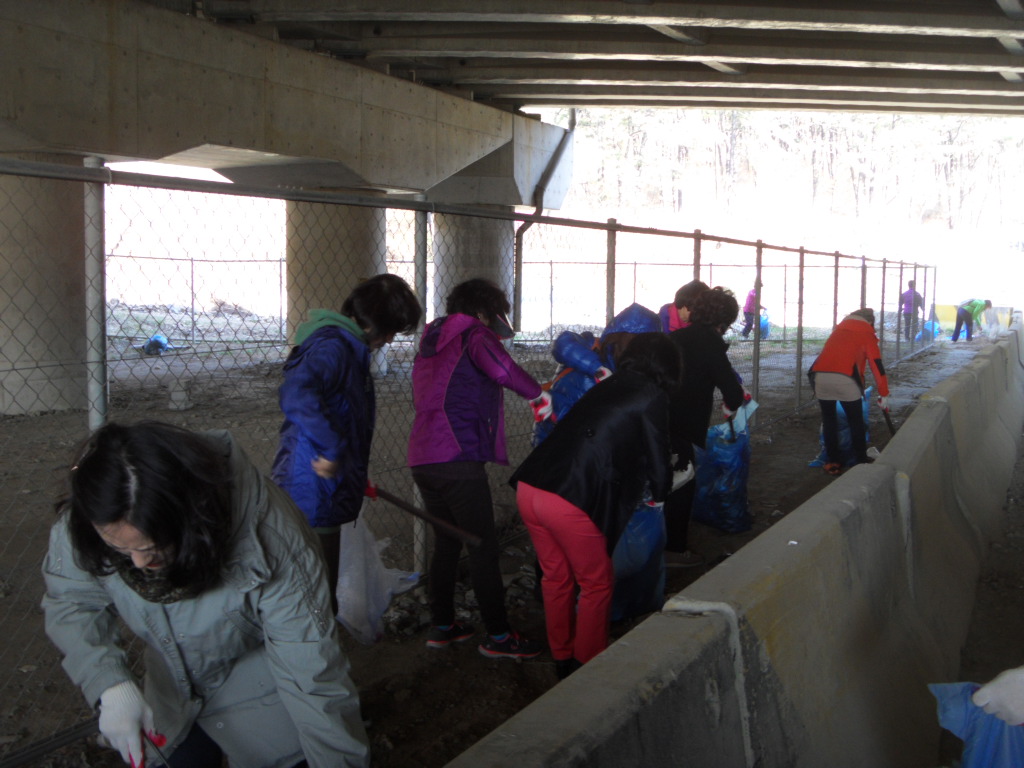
column 329, row 408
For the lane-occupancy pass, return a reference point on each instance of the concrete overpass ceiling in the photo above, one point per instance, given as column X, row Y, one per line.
column 961, row 56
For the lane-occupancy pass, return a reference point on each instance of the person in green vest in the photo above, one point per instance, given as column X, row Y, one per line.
column 967, row 314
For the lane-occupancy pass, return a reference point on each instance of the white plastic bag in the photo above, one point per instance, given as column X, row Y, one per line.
column 365, row 586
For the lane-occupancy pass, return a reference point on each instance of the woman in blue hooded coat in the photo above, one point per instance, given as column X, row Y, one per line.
column 329, row 407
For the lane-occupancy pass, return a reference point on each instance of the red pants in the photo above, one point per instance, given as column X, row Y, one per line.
column 571, row 550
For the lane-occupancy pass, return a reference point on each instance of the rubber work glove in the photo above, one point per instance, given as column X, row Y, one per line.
column 682, row 476
column 727, row 411
column 124, row 715
column 883, row 403
column 602, row 374
column 747, row 397
column 542, row 406
column 1003, row 696
column 371, row 490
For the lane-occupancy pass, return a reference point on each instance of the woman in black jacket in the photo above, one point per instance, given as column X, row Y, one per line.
column 707, row 367
column 577, row 490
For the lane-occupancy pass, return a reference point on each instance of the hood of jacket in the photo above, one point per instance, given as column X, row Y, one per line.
column 323, row 318
column 444, row 331
column 633, row 319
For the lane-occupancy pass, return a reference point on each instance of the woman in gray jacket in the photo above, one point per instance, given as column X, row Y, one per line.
column 212, row 566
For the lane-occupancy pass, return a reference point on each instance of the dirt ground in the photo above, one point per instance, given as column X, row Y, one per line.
column 425, row 706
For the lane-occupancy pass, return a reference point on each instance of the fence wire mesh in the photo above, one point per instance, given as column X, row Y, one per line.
column 187, row 299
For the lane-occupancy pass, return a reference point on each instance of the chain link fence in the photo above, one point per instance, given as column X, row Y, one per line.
column 127, row 298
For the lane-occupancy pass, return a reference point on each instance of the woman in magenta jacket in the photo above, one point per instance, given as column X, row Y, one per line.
column 458, row 382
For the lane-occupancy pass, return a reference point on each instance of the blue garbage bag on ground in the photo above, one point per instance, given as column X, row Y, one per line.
column 766, row 326
column 846, row 455
column 988, row 741
column 639, row 564
column 929, row 331
column 723, row 466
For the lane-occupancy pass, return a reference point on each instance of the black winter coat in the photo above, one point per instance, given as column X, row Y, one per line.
column 705, row 367
column 604, row 451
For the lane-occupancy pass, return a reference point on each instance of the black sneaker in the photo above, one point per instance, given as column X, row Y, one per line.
column 514, row 646
column 456, row 633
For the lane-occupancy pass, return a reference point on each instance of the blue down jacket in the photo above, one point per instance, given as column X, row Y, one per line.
column 580, row 357
column 329, row 410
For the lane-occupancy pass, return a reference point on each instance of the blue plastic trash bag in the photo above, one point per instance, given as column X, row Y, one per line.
column 766, row 326
column 846, row 455
column 988, row 741
column 720, row 499
column 156, row 344
column 929, row 331
column 639, row 564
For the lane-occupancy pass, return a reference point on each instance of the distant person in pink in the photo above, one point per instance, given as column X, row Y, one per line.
column 751, row 309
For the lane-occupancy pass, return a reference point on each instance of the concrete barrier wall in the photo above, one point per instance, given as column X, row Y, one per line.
column 814, row 644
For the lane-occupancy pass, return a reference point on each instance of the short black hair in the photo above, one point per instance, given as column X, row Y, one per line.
column 383, row 306
column 688, row 293
column 477, row 297
column 171, row 484
column 716, row 307
column 655, row 356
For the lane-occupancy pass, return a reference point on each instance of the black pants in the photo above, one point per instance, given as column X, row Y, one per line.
column 678, row 506
column 200, row 751
column 748, row 323
column 854, row 410
column 460, row 493
column 963, row 318
column 909, row 325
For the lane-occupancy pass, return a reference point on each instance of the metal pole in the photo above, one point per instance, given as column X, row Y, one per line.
column 420, row 227
column 835, row 294
column 800, row 331
column 696, row 254
column 881, row 330
column 913, row 317
column 756, row 362
column 863, row 281
column 95, row 299
column 785, row 297
column 899, row 321
column 609, row 308
column 517, row 278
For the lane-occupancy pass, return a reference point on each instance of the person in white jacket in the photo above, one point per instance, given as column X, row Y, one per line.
column 1003, row 696
column 213, row 567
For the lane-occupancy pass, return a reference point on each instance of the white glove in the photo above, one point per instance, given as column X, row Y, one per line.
column 602, row 374
column 1003, row 696
column 682, row 476
column 542, row 406
column 883, row 403
column 124, row 716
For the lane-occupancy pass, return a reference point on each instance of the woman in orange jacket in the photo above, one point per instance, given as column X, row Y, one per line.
column 838, row 375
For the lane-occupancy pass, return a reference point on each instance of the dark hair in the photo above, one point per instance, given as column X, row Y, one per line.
column 477, row 296
column 911, row 284
column 383, row 306
column 688, row 293
column 655, row 356
column 716, row 307
column 169, row 483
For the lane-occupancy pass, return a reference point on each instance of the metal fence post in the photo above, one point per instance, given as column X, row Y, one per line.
column 95, row 299
column 420, row 260
column 696, row 254
column 835, row 294
column 756, row 361
column 899, row 319
column 610, row 274
column 881, row 330
column 863, row 281
column 800, row 331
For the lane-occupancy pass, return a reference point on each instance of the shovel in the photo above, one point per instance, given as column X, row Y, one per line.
column 888, row 422
column 452, row 530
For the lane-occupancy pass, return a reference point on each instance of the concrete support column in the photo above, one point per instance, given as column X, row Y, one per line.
column 330, row 250
column 466, row 247
column 42, row 293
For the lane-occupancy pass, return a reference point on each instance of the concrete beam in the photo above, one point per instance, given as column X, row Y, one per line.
column 131, row 81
